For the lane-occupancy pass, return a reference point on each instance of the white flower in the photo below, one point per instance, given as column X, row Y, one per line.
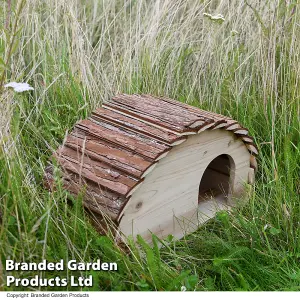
column 216, row 17
column 19, row 87
column 266, row 226
column 183, row 288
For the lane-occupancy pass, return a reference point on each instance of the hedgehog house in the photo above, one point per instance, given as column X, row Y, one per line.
column 155, row 165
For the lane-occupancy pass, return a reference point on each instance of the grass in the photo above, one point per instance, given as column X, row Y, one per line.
column 77, row 54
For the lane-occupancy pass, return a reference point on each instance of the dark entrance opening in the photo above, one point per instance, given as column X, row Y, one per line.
column 216, row 180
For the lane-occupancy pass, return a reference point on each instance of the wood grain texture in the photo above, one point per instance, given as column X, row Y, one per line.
column 95, row 197
column 137, row 126
column 218, row 119
column 122, row 159
column 124, row 138
column 162, row 111
column 163, row 114
column 169, row 194
column 95, row 171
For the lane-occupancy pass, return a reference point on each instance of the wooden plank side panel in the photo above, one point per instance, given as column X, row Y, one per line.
column 100, row 150
column 95, row 197
column 161, row 114
column 148, row 118
column 136, row 125
column 196, row 110
column 229, row 123
column 137, row 143
column 159, row 109
column 178, row 116
column 95, row 171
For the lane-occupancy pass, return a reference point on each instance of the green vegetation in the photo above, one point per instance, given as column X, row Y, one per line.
column 78, row 53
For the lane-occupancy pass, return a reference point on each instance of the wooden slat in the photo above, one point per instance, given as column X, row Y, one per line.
column 96, row 171
column 253, row 162
column 246, row 138
column 252, row 148
column 122, row 159
column 220, row 121
column 147, row 118
column 198, row 111
column 158, row 112
column 154, row 106
column 233, row 126
column 240, row 131
column 206, row 126
column 137, row 143
column 95, row 198
column 135, row 125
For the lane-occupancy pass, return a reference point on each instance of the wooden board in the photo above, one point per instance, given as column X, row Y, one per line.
column 124, row 138
column 138, row 126
column 158, row 112
column 170, row 192
column 125, row 160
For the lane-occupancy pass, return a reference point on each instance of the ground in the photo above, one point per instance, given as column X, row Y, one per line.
column 75, row 54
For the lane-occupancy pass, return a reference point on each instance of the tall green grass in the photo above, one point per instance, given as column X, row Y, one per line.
column 77, row 54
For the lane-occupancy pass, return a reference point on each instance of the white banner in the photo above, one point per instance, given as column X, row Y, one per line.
column 150, row 295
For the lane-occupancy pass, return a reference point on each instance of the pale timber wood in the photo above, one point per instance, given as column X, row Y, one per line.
column 169, row 194
column 251, row 176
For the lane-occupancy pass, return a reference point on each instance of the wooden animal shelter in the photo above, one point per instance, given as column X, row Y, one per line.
column 156, row 165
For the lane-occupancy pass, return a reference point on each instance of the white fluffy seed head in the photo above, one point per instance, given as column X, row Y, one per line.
column 19, row 87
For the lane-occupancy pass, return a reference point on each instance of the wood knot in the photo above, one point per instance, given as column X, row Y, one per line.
column 139, row 205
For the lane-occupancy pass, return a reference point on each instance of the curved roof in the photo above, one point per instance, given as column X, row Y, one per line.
column 114, row 149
